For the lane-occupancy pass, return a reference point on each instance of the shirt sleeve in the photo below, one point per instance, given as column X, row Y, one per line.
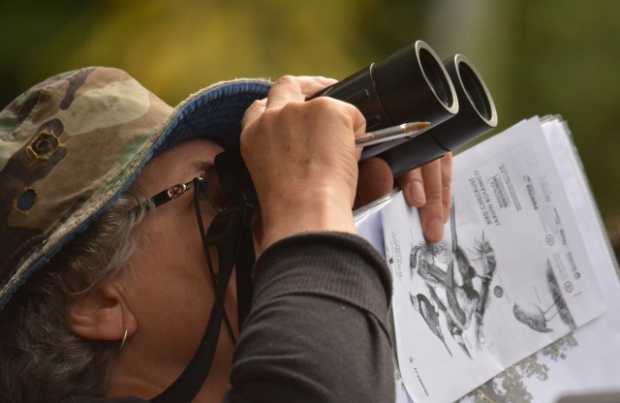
column 317, row 330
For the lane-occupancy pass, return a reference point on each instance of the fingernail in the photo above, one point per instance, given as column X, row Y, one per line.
column 433, row 229
column 415, row 193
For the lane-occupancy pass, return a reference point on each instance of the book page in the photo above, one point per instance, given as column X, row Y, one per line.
column 510, row 277
column 578, row 363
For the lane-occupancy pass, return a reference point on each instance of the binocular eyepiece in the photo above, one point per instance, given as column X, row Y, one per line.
column 413, row 84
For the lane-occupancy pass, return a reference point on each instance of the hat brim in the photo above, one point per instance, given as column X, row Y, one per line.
column 213, row 113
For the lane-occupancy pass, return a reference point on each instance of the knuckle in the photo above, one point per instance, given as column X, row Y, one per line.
column 259, row 103
column 321, row 104
column 433, row 195
column 416, row 175
column 416, row 180
column 412, row 175
column 254, row 106
column 352, row 109
column 286, row 79
column 267, row 119
column 354, row 113
column 362, row 121
column 292, row 107
column 292, row 110
column 322, row 107
column 336, row 109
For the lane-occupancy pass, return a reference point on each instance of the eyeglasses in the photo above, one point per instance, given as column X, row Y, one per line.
column 179, row 190
column 207, row 189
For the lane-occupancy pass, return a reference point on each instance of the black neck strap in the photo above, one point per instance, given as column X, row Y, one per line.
column 237, row 184
column 243, row 270
column 230, row 233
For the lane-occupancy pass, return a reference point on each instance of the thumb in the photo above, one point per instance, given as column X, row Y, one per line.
column 375, row 180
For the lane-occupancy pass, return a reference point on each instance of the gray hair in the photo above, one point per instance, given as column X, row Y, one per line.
column 42, row 360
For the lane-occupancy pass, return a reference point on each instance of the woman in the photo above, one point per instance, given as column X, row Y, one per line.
column 104, row 288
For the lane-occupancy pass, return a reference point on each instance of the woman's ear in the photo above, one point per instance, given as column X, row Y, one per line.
column 102, row 314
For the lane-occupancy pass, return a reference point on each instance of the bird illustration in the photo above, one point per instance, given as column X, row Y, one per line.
column 532, row 316
column 455, row 330
column 430, row 315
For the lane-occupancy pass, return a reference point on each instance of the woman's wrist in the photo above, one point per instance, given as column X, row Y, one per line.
column 284, row 218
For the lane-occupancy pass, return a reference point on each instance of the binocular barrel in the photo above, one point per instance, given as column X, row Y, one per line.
column 410, row 85
column 477, row 114
column 413, row 85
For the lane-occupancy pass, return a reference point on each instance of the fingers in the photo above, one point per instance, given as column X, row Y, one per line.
column 430, row 190
column 294, row 89
column 310, row 85
column 313, row 142
column 284, row 90
column 412, row 185
column 432, row 214
column 346, row 112
column 446, row 184
column 253, row 112
column 359, row 124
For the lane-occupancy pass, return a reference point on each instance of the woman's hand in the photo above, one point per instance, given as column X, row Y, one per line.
column 302, row 158
column 428, row 188
column 303, row 161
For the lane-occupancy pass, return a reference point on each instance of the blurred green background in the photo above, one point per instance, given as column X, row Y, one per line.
column 537, row 56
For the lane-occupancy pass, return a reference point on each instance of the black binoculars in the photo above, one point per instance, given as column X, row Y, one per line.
column 413, row 84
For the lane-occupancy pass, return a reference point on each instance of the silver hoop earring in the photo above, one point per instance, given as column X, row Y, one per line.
column 123, row 341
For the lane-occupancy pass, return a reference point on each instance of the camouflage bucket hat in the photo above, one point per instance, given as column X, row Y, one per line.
column 71, row 145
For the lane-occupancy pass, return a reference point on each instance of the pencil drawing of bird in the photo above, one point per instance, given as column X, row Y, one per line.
column 455, row 330
column 532, row 316
column 457, row 334
column 486, row 255
column 430, row 315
